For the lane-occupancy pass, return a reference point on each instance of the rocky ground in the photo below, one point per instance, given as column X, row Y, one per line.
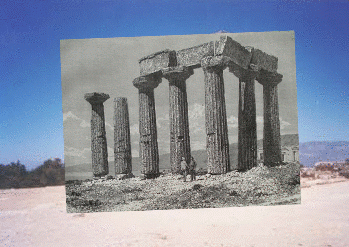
column 258, row 186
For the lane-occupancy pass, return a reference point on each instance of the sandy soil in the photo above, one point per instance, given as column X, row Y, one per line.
column 37, row 217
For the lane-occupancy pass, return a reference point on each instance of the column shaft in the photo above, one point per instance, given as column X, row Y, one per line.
column 179, row 125
column 271, row 133
column 178, row 114
column 122, row 137
column 247, row 136
column 148, row 133
column 217, row 144
column 98, row 134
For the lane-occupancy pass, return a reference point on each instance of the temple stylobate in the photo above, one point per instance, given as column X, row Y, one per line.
column 246, row 63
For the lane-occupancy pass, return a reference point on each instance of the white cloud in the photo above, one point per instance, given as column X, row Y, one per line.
column 135, row 153
column 70, row 151
column 134, row 129
column 196, row 111
column 283, row 123
column 197, row 145
column 260, row 120
column 162, row 121
column 232, row 122
column 70, row 115
column 108, row 125
column 85, row 124
column 196, row 119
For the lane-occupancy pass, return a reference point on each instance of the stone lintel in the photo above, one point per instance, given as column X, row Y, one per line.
column 264, row 61
column 271, row 78
column 96, row 98
column 215, row 62
column 239, row 55
column 178, row 72
column 153, row 63
column 226, row 46
column 147, row 82
column 191, row 57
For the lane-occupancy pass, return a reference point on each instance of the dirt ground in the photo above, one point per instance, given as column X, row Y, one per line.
column 37, row 217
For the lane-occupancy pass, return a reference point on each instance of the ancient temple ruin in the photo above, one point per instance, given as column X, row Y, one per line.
column 246, row 63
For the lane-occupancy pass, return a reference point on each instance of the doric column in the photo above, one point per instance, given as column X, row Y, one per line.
column 179, row 122
column 98, row 134
column 247, row 125
column 217, row 143
column 271, row 132
column 122, row 137
column 247, row 136
column 148, row 143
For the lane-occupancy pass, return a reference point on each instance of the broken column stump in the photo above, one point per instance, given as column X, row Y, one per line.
column 148, row 144
column 217, row 144
column 179, row 122
column 122, row 137
column 98, row 134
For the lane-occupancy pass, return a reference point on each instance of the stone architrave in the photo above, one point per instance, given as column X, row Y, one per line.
column 225, row 46
column 217, row 143
column 122, row 137
column 148, row 143
column 179, row 122
column 98, row 134
column 153, row 63
column 271, row 131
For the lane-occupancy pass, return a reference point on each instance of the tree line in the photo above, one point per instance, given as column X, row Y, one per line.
column 15, row 175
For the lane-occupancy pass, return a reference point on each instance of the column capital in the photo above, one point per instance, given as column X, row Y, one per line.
column 179, row 73
column 147, row 82
column 120, row 99
column 215, row 62
column 244, row 74
column 269, row 78
column 96, row 98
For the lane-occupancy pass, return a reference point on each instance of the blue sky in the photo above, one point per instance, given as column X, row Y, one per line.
column 31, row 119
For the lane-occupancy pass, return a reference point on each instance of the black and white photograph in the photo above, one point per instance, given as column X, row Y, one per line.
column 180, row 122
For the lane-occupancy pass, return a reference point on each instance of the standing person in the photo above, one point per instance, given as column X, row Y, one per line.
column 184, row 169
column 192, row 167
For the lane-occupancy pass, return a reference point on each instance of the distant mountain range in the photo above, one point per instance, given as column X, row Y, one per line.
column 309, row 154
column 312, row 152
